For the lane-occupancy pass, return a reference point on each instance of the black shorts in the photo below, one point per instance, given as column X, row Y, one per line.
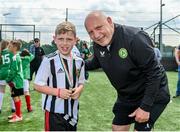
column 57, row 122
column 121, row 111
column 16, row 92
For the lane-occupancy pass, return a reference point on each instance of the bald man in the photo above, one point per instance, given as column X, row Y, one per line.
column 126, row 56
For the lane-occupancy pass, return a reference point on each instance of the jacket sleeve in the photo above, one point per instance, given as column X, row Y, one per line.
column 92, row 64
column 144, row 57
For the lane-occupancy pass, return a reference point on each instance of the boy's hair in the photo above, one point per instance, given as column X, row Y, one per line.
column 25, row 52
column 65, row 27
column 16, row 44
column 3, row 44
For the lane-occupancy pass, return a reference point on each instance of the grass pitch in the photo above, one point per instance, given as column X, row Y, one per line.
column 95, row 113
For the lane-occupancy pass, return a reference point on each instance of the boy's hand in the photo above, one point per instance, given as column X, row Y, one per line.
column 76, row 92
column 65, row 93
column 11, row 84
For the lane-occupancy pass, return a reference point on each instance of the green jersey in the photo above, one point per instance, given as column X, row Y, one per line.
column 26, row 65
column 86, row 53
column 6, row 59
column 16, row 73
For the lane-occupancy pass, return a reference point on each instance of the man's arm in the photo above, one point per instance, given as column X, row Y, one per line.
column 145, row 59
column 31, row 49
column 144, row 56
column 92, row 64
column 177, row 56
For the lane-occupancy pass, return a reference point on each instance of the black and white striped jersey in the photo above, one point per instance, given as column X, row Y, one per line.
column 59, row 80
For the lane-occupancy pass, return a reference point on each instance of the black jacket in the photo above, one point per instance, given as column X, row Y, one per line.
column 132, row 68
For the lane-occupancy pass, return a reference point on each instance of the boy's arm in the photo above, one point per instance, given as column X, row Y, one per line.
column 13, row 71
column 61, row 93
column 40, row 82
column 46, row 90
column 31, row 57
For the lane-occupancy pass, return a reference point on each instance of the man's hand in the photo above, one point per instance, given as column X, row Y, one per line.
column 140, row 115
column 178, row 63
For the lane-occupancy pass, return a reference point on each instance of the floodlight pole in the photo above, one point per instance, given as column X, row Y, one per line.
column 0, row 32
column 66, row 15
column 160, row 27
column 6, row 14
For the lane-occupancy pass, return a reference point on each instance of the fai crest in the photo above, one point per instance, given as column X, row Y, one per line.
column 123, row 53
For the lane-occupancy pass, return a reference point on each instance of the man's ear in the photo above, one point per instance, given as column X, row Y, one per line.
column 109, row 20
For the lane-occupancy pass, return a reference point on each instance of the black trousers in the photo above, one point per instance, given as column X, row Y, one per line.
column 33, row 69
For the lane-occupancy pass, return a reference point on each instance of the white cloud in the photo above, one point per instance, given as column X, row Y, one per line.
column 46, row 14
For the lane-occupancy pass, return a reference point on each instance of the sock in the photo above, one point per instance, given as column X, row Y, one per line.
column 28, row 101
column 18, row 108
column 12, row 104
column 1, row 99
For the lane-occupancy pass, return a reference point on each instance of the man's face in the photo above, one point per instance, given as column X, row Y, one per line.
column 100, row 29
column 65, row 42
column 37, row 43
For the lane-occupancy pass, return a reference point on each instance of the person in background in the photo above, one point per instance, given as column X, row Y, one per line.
column 38, row 53
column 85, row 55
column 65, row 72
column 126, row 56
column 5, row 61
column 26, row 59
column 75, row 50
column 156, row 51
column 15, row 80
column 177, row 58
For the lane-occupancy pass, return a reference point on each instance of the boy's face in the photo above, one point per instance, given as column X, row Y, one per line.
column 65, row 42
column 11, row 48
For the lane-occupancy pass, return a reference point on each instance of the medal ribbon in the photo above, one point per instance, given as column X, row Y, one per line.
column 67, row 74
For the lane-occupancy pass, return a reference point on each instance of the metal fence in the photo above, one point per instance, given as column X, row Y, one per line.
column 46, row 19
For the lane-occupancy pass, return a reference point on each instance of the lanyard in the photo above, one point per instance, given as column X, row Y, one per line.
column 68, row 74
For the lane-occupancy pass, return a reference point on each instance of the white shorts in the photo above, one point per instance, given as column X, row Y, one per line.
column 3, row 82
column 26, row 85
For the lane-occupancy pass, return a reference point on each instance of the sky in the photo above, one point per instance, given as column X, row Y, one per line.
column 46, row 14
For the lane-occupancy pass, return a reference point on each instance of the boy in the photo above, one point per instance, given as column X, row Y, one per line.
column 15, row 80
column 26, row 59
column 5, row 61
column 61, row 78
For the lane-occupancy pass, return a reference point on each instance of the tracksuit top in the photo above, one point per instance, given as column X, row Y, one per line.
column 132, row 68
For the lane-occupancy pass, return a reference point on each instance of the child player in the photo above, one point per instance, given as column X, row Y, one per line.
column 5, row 61
column 26, row 58
column 15, row 80
column 61, row 78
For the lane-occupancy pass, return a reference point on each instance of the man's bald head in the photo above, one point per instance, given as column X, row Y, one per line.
column 99, row 27
column 95, row 14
